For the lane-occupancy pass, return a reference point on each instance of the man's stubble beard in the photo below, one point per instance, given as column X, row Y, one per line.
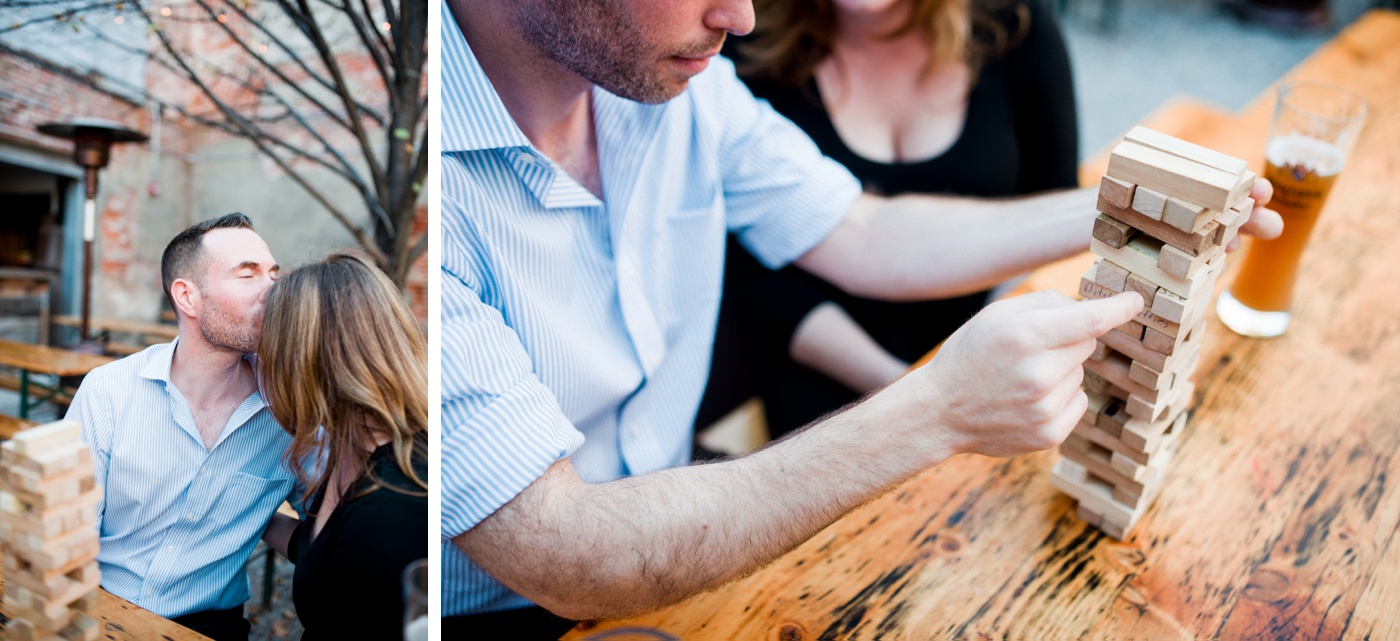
column 222, row 330
column 595, row 40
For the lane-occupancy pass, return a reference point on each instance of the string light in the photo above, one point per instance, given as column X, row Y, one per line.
column 385, row 26
column 165, row 11
column 119, row 19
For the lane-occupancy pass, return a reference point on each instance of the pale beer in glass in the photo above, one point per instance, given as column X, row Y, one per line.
column 1313, row 129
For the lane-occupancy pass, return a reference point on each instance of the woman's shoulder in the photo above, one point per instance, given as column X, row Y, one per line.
column 388, row 483
column 1011, row 27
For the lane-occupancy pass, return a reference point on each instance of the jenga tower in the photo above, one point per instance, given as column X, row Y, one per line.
column 48, row 516
column 1167, row 209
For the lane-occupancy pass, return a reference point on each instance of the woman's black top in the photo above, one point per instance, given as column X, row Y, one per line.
column 348, row 582
column 1019, row 137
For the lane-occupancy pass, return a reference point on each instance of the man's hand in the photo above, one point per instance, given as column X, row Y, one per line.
column 1007, row 382
column 1263, row 223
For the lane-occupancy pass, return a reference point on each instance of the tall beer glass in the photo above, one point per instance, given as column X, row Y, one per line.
column 1315, row 126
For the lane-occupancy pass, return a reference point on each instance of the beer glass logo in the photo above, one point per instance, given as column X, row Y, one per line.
column 1301, row 171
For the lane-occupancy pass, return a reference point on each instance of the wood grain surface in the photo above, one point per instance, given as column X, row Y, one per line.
column 43, row 359
column 1279, row 513
column 119, row 620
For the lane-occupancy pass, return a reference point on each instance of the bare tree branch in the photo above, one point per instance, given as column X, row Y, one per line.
column 241, row 124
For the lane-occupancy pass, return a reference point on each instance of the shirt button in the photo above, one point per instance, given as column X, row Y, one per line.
column 150, row 592
column 190, row 516
column 171, row 548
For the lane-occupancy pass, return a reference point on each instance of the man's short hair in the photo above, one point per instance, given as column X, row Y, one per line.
column 184, row 256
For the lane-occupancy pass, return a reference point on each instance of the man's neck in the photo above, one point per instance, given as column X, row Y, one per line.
column 203, row 372
column 550, row 104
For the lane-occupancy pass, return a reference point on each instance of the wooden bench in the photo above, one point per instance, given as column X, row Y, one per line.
column 147, row 333
column 11, row 425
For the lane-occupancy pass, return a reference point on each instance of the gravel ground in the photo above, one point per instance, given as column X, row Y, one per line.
column 279, row 619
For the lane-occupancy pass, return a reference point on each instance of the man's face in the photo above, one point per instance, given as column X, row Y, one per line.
column 239, row 270
column 643, row 50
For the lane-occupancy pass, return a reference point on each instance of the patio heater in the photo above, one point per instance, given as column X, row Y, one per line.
column 92, row 145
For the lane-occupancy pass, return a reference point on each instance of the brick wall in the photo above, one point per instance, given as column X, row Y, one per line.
column 133, row 223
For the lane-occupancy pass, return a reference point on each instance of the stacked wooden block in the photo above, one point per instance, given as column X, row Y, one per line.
column 1167, row 209
column 48, row 534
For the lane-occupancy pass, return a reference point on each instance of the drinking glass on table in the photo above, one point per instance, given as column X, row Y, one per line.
column 1314, row 128
column 415, row 601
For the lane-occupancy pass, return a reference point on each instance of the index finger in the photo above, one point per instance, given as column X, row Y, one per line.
column 1067, row 325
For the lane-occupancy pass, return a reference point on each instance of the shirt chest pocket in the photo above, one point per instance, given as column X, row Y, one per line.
column 699, row 203
column 247, row 499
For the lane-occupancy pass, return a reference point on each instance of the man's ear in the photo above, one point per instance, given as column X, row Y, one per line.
column 186, row 297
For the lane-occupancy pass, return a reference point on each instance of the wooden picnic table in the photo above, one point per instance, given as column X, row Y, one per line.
column 97, row 325
column 1280, row 511
column 42, row 359
column 119, row 620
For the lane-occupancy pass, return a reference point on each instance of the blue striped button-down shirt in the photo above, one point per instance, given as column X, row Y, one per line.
column 574, row 326
column 177, row 522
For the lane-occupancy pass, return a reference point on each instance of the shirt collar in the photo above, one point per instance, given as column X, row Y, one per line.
column 473, row 116
column 158, row 368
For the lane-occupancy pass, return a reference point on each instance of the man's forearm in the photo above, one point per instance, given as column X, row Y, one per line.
column 623, row 547
column 918, row 247
column 278, row 534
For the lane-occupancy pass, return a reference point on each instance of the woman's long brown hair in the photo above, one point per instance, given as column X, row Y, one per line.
column 342, row 359
column 792, row 37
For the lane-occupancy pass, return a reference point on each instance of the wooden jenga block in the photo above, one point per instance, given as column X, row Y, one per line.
column 83, row 628
column 1131, row 329
column 1190, row 151
column 80, row 628
column 1095, row 384
column 1144, row 434
column 1096, row 403
column 1170, row 306
column 1114, row 368
column 64, row 587
column 1088, row 516
column 1149, row 203
column 46, row 463
column 1096, row 495
column 1181, row 349
column 1140, row 257
column 1089, row 289
column 1148, row 376
column 1095, row 459
column 1147, row 289
column 1190, row 243
column 55, row 489
column 1127, row 467
column 1187, row 217
column 52, row 498
column 58, row 519
column 1228, row 224
column 1116, row 191
column 1113, row 232
column 1107, row 440
column 1100, row 352
column 45, row 437
column 1147, row 436
column 60, row 554
column 1181, row 264
column 1112, row 417
column 1158, row 342
column 23, row 604
column 1110, row 276
column 1187, row 179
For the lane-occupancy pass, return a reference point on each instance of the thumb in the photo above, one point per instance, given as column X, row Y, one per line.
column 1066, row 325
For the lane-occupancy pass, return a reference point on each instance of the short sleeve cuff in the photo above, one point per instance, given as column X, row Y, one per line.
column 491, row 456
column 809, row 215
